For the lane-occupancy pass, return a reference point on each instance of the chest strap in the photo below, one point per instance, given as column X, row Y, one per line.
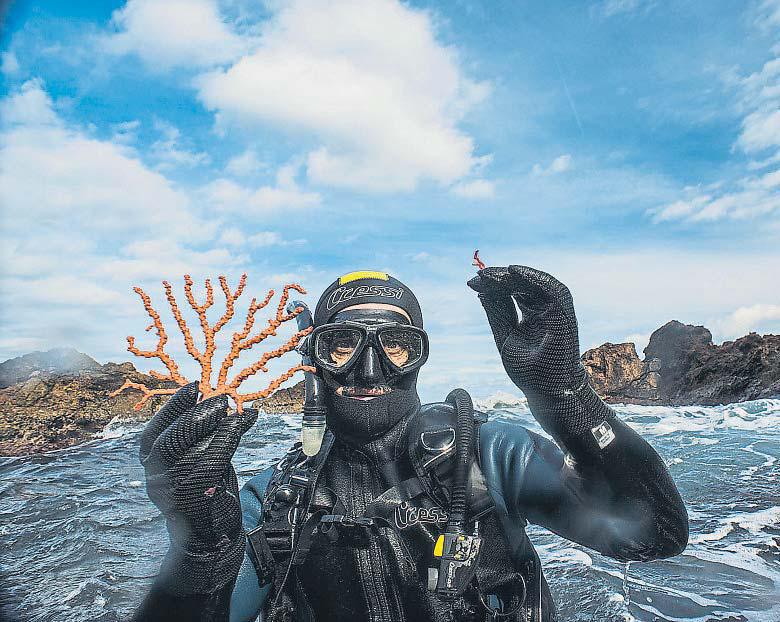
column 287, row 519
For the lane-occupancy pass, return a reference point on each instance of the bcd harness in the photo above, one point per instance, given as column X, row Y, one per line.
column 296, row 513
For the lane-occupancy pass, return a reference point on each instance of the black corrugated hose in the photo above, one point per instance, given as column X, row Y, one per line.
column 464, row 438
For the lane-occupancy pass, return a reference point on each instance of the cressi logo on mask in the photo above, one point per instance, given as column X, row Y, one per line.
column 362, row 291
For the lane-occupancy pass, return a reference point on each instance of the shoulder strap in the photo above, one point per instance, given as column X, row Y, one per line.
column 286, row 507
column 431, row 448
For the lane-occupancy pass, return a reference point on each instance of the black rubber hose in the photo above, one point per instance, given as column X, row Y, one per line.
column 464, row 438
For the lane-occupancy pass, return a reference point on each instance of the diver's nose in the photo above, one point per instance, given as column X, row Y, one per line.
column 369, row 372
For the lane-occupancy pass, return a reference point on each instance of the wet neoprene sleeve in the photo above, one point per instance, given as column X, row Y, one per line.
column 162, row 606
column 618, row 499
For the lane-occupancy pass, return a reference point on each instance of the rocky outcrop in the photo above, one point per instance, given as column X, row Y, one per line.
column 618, row 374
column 286, row 400
column 60, row 398
column 683, row 366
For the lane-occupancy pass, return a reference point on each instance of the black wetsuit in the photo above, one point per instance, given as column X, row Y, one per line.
column 635, row 514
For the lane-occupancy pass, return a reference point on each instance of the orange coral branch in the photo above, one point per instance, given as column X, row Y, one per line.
column 158, row 352
column 240, row 341
column 260, row 365
column 185, row 330
column 208, row 332
column 147, row 392
column 230, row 300
column 236, row 345
column 275, row 384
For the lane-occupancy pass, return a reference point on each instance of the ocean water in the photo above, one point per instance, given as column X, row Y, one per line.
column 80, row 540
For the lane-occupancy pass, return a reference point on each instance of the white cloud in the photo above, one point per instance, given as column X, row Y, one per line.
column 768, row 15
column 750, row 197
column 760, row 130
column 477, row 189
column 368, row 79
column 227, row 195
column 610, row 8
column 233, row 236
column 30, row 105
column 61, row 289
column 9, row 64
column 170, row 33
column 760, row 100
column 125, row 133
column 153, row 258
column 747, row 319
column 265, row 238
column 614, row 7
column 83, row 220
column 559, row 165
column 90, row 184
column 245, row 164
column 746, row 195
column 168, row 151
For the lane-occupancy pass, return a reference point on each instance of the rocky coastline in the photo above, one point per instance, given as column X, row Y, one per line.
column 682, row 366
column 56, row 399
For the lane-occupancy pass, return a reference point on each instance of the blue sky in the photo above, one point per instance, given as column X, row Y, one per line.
column 629, row 147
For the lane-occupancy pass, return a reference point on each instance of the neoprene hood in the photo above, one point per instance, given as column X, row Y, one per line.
column 362, row 287
column 354, row 418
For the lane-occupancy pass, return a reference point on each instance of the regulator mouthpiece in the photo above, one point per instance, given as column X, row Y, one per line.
column 313, row 424
column 312, row 432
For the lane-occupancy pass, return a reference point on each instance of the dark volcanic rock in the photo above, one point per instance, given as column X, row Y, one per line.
column 287, row 400
column 683, row 366
column 50, row 409
column 678, row 346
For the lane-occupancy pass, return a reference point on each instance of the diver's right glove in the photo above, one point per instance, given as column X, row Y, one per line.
column 186, row 451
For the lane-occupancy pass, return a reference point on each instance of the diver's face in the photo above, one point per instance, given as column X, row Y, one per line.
column 370, row 376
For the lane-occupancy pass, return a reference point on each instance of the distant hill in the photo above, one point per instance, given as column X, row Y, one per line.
column 55, row 361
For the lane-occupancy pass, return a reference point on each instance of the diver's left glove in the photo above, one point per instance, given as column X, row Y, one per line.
column 186, row 450
column 541, row 353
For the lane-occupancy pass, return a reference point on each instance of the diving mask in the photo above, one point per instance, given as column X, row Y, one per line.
column 401, row 348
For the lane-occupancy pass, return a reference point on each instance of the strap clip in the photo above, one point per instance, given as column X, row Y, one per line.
column 345, row 521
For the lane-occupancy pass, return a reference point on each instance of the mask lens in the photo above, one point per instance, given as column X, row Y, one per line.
column 337, row 347
column 402, row 347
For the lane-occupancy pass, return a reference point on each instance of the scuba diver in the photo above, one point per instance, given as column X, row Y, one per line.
column 402, row 511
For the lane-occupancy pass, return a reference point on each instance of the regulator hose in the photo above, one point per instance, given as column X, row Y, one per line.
column 464, row 439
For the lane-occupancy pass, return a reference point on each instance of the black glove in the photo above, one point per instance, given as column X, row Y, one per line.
column 186, row 451
column 541, row 352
